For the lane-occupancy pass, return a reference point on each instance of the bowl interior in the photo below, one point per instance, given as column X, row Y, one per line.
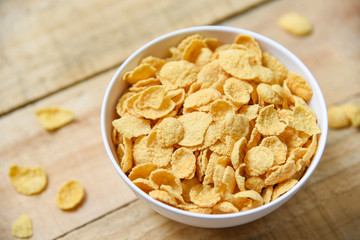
column 159, row 48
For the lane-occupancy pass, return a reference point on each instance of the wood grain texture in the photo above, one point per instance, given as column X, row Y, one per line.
column 50, row 45
column 73, row 152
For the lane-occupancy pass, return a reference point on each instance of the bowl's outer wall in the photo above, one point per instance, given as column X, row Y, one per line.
column 159, row 48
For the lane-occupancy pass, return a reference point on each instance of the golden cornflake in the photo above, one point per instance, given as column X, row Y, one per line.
column 258, row 160
column 337, row 117
column 216, row 128
column 237, row 63
column 204, row 195
column 195, row 125
column 298, row 86
column 22, row 227
column 237, row 91
column 176, row 74
column 52, row 118
column 283, row 187
column 268, row 122
column 129, row 126
column 295, row 24
column 70, row 195
column 26, row 180
column 141, row 72
column 183, row 163
column 169, row 132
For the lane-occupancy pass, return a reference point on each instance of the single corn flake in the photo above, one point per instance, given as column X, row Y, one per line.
column 237, row 63
column 278, row 174
column 145, row 185
column 295, row 24
column 141, row 72
column 177, row 74
column 27, row 180
column 255, row 183
column 22, row 227
column 195, row 125
column 204, row 195
column 223, row 208
column 304, row 118
column 258, row 160
column 152, row 97
column 142, row 171
column 279, row 70
column 238, row 152
column 70, row 195
column 165, row 177
column 283, row 187
column 129, row 126
column 268, row 122
column 122, row 107
column 234, row 125
column 267, row 93
column 186, row 187
column 183, row 163
column 250, row 111
column 251, row 44
column 267, row 194
column 278, row 149
column 193, row 50
column 165, row 108
column 352, row 111
column 337, row 117
column 237, row 91
column 298, row 86
column 126, row 162
column 220, row 108
column 169, row 132
column 201, row 98
column 52, row 118
column 163, row 196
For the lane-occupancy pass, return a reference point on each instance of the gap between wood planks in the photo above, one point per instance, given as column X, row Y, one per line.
column 96, row 219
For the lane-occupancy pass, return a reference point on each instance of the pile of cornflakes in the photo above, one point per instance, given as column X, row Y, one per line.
column 215, row 128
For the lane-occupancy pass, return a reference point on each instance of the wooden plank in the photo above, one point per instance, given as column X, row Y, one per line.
column 73, row 152
column 331, row 52
column 50, row 45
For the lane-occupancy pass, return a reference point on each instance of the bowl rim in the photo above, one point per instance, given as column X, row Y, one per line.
column 198, row 29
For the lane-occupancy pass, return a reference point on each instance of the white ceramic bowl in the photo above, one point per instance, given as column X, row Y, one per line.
column 159, row 48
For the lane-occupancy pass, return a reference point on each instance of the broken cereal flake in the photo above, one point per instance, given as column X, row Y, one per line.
column 22, row 227
column 27, row 180
column 145, row 185
column 281, row 173
column 52, row 118
column 238, row 152
column 224, row 208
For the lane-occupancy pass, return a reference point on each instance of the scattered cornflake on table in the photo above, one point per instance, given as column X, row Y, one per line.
column 70, row 195
column 296, row 24
column 341, row 116
column 26, row 180
column 22, row 227
column 52, row 118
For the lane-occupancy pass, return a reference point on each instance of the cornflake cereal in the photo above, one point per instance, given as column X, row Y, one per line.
column 341, row 116
column 26, row 180
column 70, row 195
column 216, row 128
column 22, row 227
column 52, row 118
column 295, row 24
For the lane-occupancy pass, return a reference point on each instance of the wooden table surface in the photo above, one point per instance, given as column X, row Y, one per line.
column 64, row 53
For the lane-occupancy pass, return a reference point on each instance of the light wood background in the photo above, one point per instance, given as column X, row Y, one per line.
column 65, row 52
